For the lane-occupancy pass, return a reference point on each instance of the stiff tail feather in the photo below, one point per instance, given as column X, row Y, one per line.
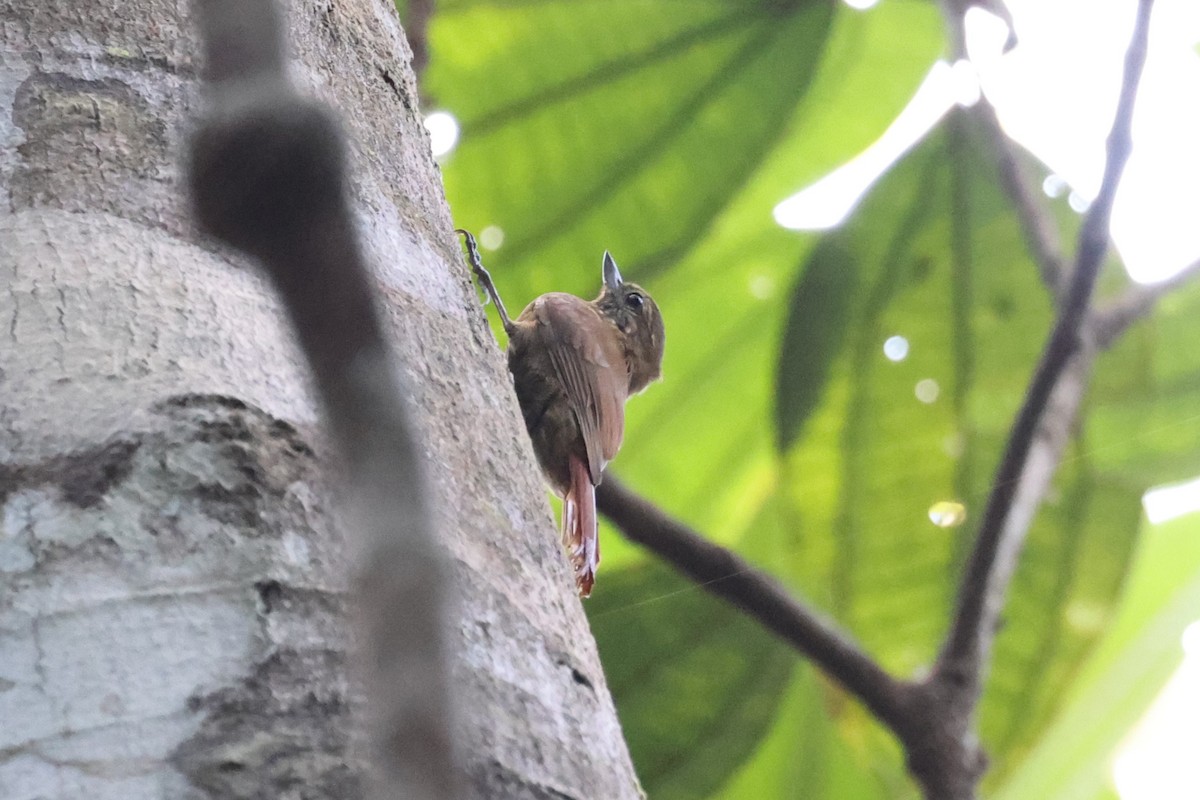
column 579, row 536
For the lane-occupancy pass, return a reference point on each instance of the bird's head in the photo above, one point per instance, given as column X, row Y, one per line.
column 637, row 317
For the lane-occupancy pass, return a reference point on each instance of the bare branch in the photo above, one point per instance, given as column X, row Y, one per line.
column 1107, row 323
column 1041, row 232
column 268, row 176
column 1037, row 223
column 985, row 580
column 728, row 576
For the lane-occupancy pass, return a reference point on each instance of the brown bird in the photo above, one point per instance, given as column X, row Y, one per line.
column 574, row 364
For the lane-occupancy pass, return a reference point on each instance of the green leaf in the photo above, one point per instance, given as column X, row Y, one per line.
column 1072, row 759
column 940, row 260
column 1063, row 598
column 697, row 684
column 816, row 328
column 804, row 755
column 703, row 437
column 1144, row 424
column 615, row 116
column 873, row 457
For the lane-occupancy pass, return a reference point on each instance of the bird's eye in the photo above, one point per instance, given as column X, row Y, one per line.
column 634, row 301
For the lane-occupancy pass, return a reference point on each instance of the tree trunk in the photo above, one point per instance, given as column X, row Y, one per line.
column 172, row 579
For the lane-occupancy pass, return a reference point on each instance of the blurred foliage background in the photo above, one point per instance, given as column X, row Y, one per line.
column 666, row 131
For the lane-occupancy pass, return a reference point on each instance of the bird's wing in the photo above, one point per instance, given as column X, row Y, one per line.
column 590, row 363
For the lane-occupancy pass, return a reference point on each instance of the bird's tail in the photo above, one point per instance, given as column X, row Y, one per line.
column 579, row 536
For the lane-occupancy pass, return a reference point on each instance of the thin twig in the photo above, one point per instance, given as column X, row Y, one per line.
column 984, row 582
column 1037, row 223
column 267, row 175
column 1108, row 322
column 726, row 575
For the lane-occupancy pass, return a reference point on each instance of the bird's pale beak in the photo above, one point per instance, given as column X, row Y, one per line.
column 612, row 275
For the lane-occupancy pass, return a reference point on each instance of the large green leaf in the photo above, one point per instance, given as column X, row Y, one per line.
column 939, row 257
column 1145, row 424
column 1073, row 757
column 805, row 756
column 697, row 683
column 720, row 302
column 625, row 122
column 817, row 321
column 873, row 458
column 1063, row 598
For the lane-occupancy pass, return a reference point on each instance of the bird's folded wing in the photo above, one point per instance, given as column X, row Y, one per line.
column 591, row 366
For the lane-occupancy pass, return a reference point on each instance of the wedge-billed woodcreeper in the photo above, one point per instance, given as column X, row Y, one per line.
column 574, row 363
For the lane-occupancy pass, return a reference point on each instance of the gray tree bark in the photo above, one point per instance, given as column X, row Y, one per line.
column 173, row 606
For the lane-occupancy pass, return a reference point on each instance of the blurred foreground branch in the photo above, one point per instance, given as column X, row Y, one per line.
column 268, row 177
